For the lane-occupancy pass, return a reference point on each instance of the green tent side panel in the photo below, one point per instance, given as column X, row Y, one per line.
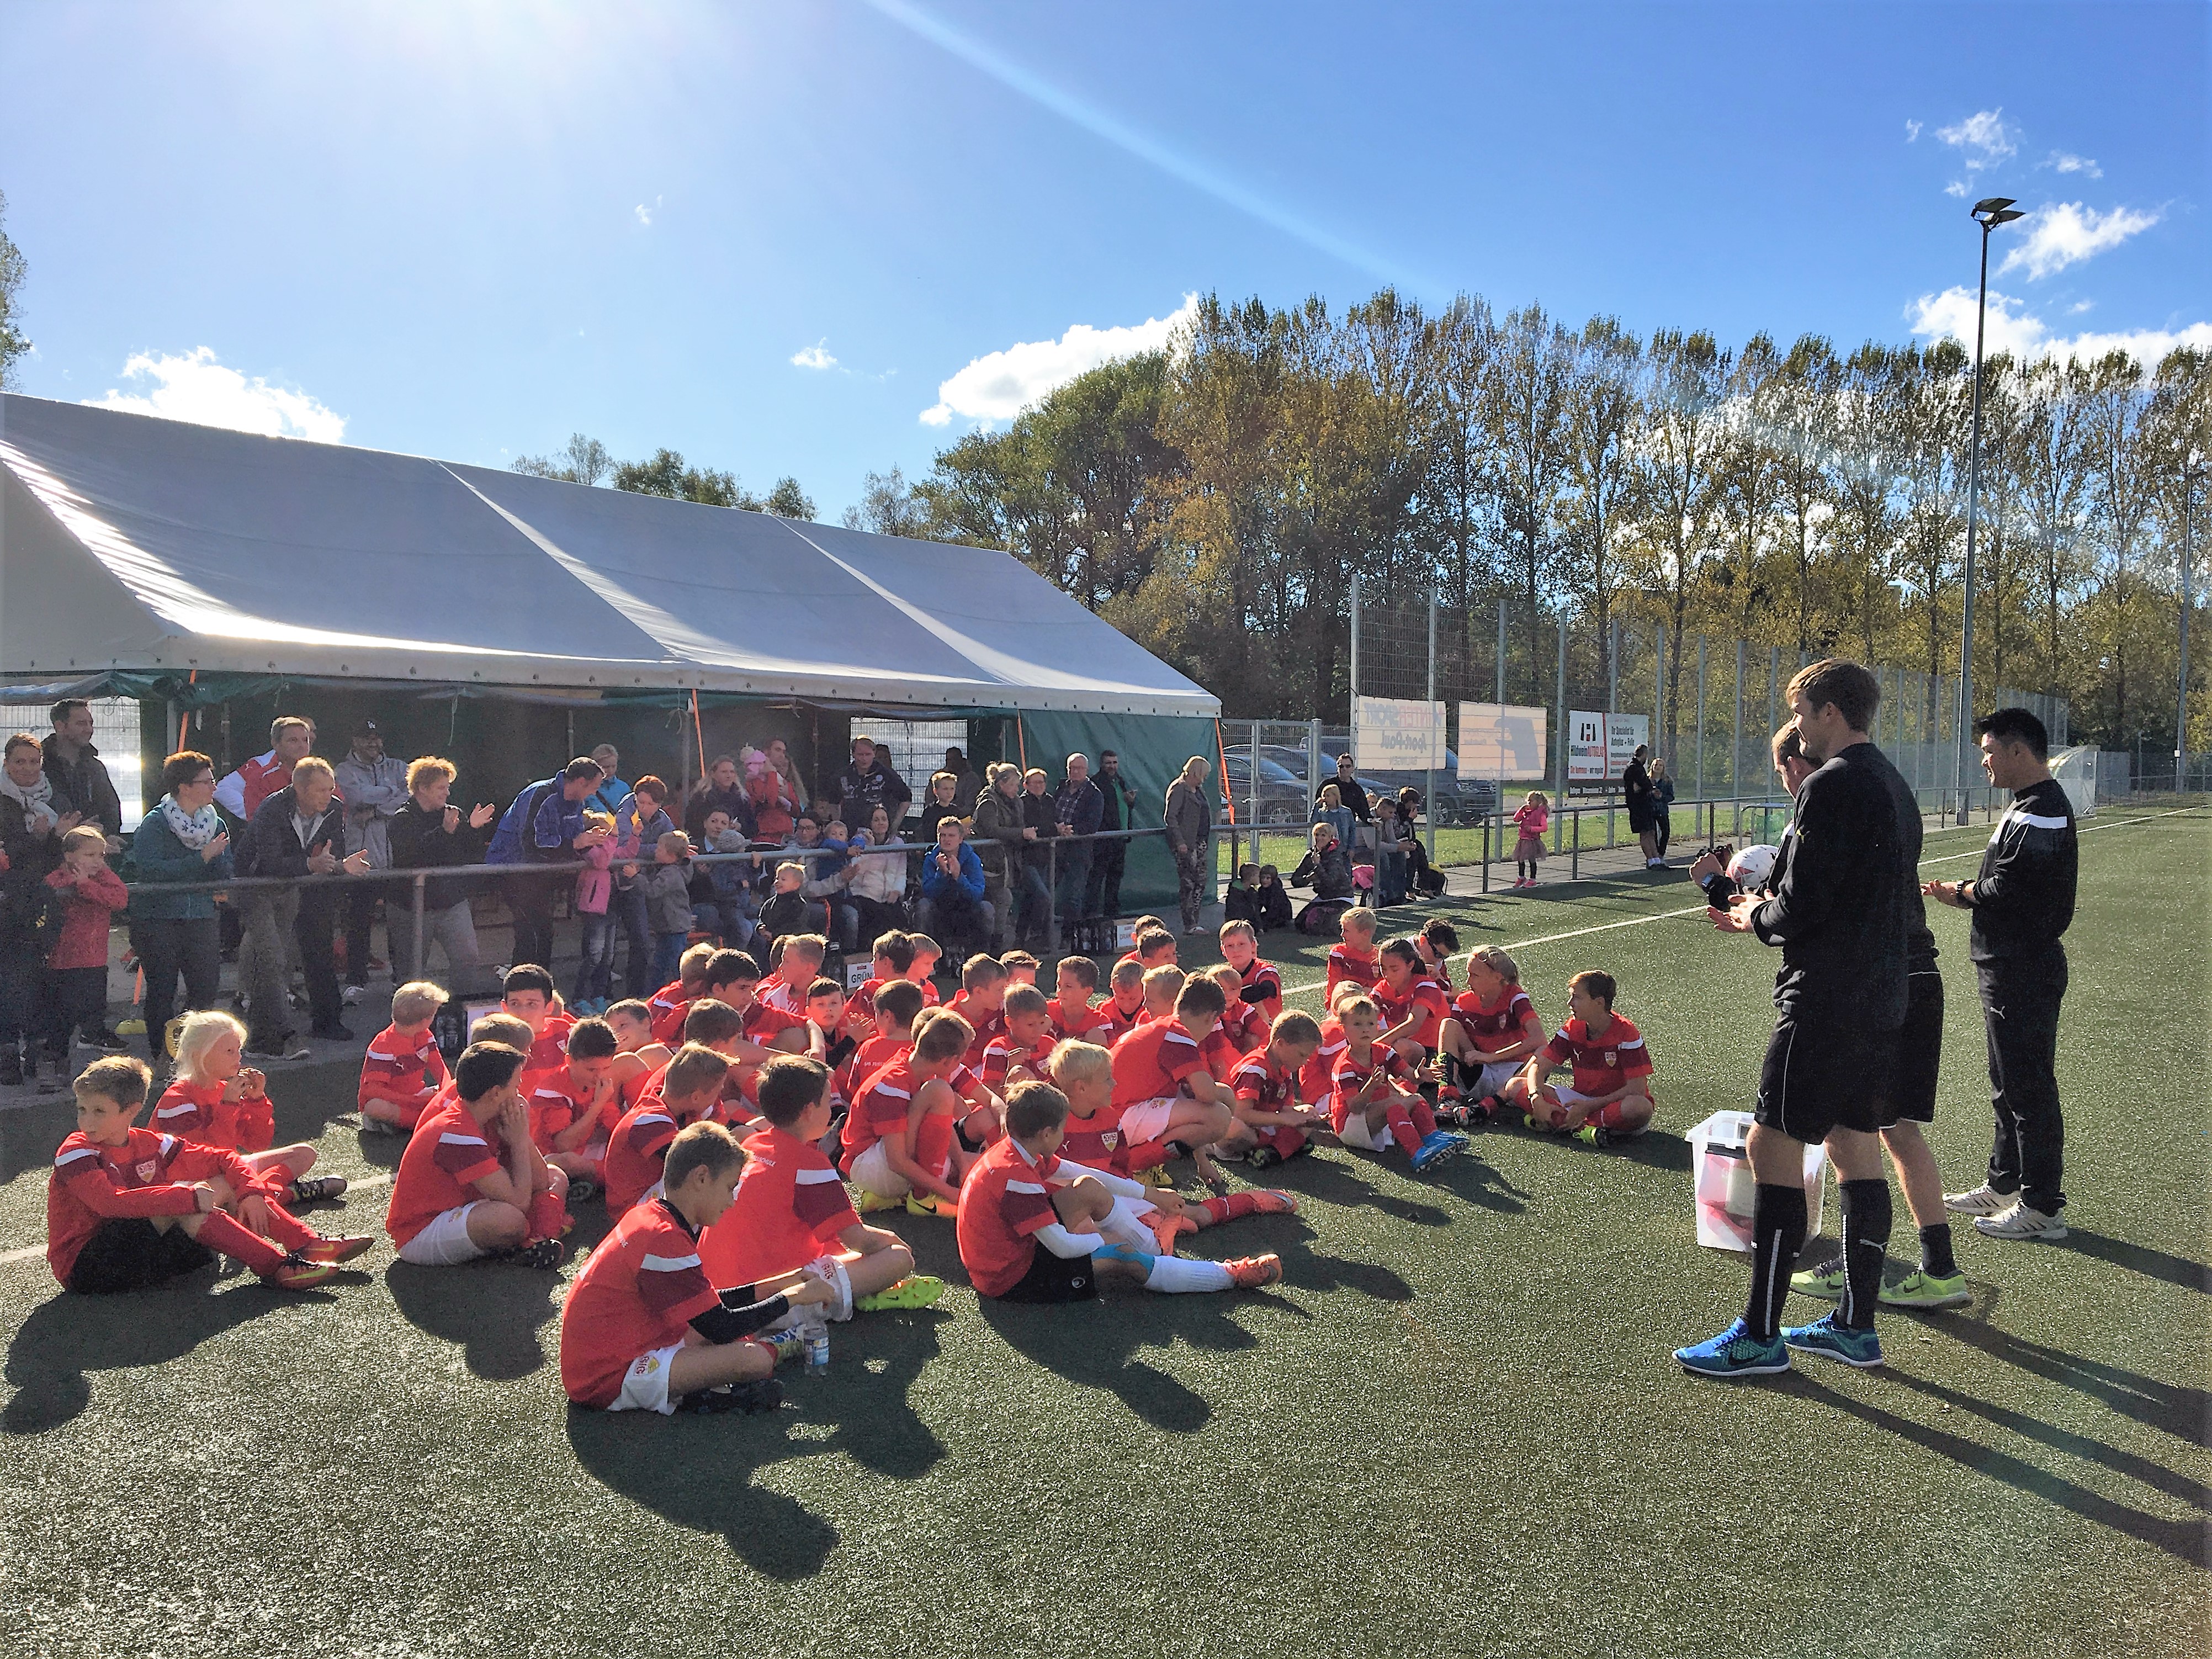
column 1153, row 750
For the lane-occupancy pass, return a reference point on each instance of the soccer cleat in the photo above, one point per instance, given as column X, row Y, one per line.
column 2019, row 1221
column 763, row 1395
column 1436, row 1148
column 1454, row 1112
column 930, row 1204
column 1263, row 1157
column 1166, row 1229
column 1157, row 1176
column 914, row 1290
column 581, row 1187
column 1825, row 1282
column 1922, row 1289
column 1831, row 1338
column 1273, row 1200
column 297, row 1271
column 1485, row 1110
column 1254, row 1273
column 313, row 1189
column 1735, row 1353
column 543, row 1254
column 377, row 1126
column 873, row 1203
column 335, row 1250
column 1984, row 1199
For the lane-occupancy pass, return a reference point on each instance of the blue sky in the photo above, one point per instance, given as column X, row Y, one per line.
column 775, row 236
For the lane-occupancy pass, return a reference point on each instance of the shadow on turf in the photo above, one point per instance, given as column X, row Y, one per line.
column 67, row 1337
column 2136, row 1258
column 2172, row 1408
column 490, row 1309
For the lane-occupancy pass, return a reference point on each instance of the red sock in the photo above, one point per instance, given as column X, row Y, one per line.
column 1149, row 1156
column 219, row 1230
column 932, row 1141
column 547, row 1214
column 1284, row 1140
column 1402, row 1128
column 1609, row 1115
column 288, row 1229
column 1423, row 1119
column 1224, row 1208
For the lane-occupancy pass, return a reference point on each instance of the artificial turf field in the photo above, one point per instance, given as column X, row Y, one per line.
column 1455, row 1428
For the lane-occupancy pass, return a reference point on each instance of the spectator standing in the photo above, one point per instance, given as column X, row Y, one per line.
column 181, row 840
column 779, row 761
column 1117, row 804
column 300, row 830
column 639, row 824
column 1390, row 874
column 869, row 781
column 373, row 787
column 1351, row 794
column 612, row 794
column 966, row 785
column 74, row 766
column 774, row 798
column 1041, row 827
column 720, row 790
column 240, row 795
column 1635, row 795
column 33, row 817
column 544, row 824
column 1077, row 810
column 876, row 876
column 1188, row 816
column 78, row 961
column 954, row 910
column 999, row 837
column 941, row 804
column 2021, row 900
column 428, row 833
column 1662, row 802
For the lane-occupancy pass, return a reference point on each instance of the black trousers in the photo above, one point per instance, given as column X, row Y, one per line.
column 315, row 926
column 169, row 946
column 530, row 900
column 1101, row 887
column 361, row 918
column 2019, row 1013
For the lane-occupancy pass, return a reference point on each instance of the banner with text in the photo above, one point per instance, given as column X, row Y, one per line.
column 1501, row 740
column 1599, row 746
column 1397, row 735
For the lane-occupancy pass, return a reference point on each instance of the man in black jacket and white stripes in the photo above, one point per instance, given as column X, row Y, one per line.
column 2021, row 900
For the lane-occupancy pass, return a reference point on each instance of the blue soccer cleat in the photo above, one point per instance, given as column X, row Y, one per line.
column 1734, row 1352
column 1434, row 1148
column 1834, row 1341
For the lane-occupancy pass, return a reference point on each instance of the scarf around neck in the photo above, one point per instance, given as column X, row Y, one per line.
column 36, row 799
column 194, row 830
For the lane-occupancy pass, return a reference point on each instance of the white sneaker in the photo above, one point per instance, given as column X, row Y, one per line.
column 1984, row 1199
column 2020, row 1222
column 352, row 993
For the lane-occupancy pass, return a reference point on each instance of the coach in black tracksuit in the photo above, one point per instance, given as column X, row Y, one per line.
column 2021, row 900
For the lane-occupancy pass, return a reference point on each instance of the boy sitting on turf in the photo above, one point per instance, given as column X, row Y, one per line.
column 1123, row 1010
column 527, row 992
column 571, row 1107
column 1162, row 987
column 1317, row 1082
column 637, row 1056
column 1240, row 948
column 1171, row 1106
column 128, row 1208
column 1243, row 1027
column 1437, row 942
column 796, row 969
column 1266, row 1085
column 1502, row 1028
column 1029, row 1234
column 642, row 1329
column 217, row 1100
column 895, row 1021
column 1609, row 1100
column 1071, row 1013
column 1021, row 967
column 1155, row 947
column 1275, row 908
column 1417, row 1012
column 927, row 953
column 897, row 1145
column 892, row 954
column 471, row 1183
column 1374, row 1105
column 982, row 1002
column 667, row 1005
column 1018, row 1052
column 403, row 1069
column 1354, row 958
column 690, row 1091
column 791, row 1216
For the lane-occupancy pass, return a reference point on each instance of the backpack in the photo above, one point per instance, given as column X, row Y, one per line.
column 509, row 843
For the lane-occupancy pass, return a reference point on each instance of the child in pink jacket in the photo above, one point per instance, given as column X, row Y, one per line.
column 1534, row 816
column 595, row 891
column 78, row 961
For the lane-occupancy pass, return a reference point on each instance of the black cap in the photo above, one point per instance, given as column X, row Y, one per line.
column 368, row 729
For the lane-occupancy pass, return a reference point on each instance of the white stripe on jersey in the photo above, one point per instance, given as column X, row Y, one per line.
column 1025, row 1187
column 72, row 1156
column 2035, row 821
column 449, row 1138
column 669, row 1264
column 814, row 1178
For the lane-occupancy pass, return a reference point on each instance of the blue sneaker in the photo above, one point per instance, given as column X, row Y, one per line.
column 1825, row 1335
column 1434, row 1148
column 1734, row 1352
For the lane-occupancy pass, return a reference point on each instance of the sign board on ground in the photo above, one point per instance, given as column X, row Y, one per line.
column 1397, row 735
column 1501, row 740
column 1599, row 746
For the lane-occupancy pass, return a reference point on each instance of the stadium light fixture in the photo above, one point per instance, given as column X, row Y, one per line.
column 1988, row 213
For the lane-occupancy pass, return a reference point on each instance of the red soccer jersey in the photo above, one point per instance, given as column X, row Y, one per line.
column 1351, row 1074
column 1600, row 1064
column 988, row 1023
column 1259, row 1082
column 638, row 1291
column 1077, row 1025
column 1494, row 1025
column 1222, row 1054
column 879, row 1113
column 1266, row 974
column 1115, row 1022
column 1440, row 971
column 1151, row 1062
column 1425, row 1000
column 1245, row 1026
column 781, row 994
column 404, row 1067
column 1003, row 1204
column 198, row 1112
column 635, row 1152
column 1318, row 1078
column 790, row 1208
column 260, row 778
column 764, row 1024
column 1004, row 1054
column 929, row 998
column 449, row 1153
column 555, row 1105
column 1344, row 965
column 668, row 1007
column 150, row 1174
column 1097, row 1141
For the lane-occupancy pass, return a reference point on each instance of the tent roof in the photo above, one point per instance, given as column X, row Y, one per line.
column 129, row 542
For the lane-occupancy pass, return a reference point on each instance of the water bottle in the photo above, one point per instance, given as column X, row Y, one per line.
column 817, row 1351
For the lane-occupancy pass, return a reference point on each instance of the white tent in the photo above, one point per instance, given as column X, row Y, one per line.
column 132, row 542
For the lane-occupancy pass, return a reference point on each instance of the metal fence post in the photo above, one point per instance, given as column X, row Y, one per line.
column 1429, row 795
column 1052, row 891
column 1486, row 851
column 1575, row 858
column 1701, row 715
column 421, row 956
column 1252, row 791
column 1735, row 742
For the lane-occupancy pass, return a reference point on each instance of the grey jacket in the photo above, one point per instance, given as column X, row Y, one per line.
column 373, row 797
column 667, row 890
column 1188, row 817
column 998, row 827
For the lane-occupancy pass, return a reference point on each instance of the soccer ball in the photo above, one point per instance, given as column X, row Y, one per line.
column 1752, row 868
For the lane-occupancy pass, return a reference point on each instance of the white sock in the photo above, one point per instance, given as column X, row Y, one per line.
column 1175, row 1276
column 1125, row 1226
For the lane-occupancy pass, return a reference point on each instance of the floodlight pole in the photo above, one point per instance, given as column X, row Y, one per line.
column 2189, row 469
column 1989, row 214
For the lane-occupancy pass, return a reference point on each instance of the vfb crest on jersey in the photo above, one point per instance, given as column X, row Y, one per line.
column 148, row 1167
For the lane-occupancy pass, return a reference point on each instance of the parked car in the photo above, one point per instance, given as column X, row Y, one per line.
column 1282, row 797
column 1459, row 801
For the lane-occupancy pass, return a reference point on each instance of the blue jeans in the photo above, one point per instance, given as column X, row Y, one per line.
column 1074, row 879
column 1034, row 901
column 667, row 952
column 1389, row 878
column 595, row 972
column 629, row 906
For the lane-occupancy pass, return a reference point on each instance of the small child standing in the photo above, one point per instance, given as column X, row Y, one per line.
column 666, row 885
column 1534, row 816
column 595, row 887
column 79, row 958
column 403, row 1070
column 1389, row 857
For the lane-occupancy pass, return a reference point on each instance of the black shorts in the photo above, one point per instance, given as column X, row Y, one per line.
column 132, row 1254
column 1825, row 1073
column 1055, row 1278
column 1919, row 1052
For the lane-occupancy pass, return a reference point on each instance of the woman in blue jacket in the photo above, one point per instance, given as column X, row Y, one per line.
column 181, row 840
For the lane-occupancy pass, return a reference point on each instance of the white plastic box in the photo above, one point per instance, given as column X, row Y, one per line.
column 1720, row 1171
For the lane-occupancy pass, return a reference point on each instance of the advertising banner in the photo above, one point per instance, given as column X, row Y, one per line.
column 1397, row 735
column 1501, row 740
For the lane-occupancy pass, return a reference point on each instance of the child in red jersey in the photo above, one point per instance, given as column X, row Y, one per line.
column 1375, row 1104
column 642, row 1329
column 898, row 1005
column 1021, row 968
column 216, row 1099
column 1243, row 1027
column 1030, row 1233
column 1502, row 1026
column 668, row 1002
column 1317, row 1082
column 1610, row 1097
column 403, row 1069
column 893, row 954
column 1071, row 1013
column 798, row 965
column 982, row 1002
column 1240, row 948
column 792, row 1217
column 690, row 1091
column 1153, row 947
column 1171, row 1106
column 1354, row 958
column 1123, row 1010
column 527, row 992
column 471, row 1182
column 1020, row 1050
column 898, row 1140
column 1438, row 942
column 927, row 953
column 1267, row 1083
column 1417, row 1017
column 571, row 1107
column 128, row 1208
column 637, row 1056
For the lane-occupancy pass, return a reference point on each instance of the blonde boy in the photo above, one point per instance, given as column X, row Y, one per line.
column 403, row 1069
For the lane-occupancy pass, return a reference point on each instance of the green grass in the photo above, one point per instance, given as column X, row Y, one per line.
column 1455, row 1429
column 1593, row 829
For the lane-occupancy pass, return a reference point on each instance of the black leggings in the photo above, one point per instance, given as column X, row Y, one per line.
column 170, row 946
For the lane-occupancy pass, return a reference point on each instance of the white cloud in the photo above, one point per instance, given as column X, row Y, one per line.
column 2066, row 163
column 195, row 387
column 814, row 356
column 999, row 386
column 1911, row 132
column 1955, row 188
column 1985, row 137
column 2067, row 233
column 645, row 214
column 2011, row 329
